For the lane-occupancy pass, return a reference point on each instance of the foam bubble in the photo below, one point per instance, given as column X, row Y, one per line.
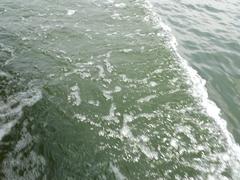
column 12, row 109
column 107, row 94
column 108, row 66
column 117, row 89
column 18, row 161
column 197, row 83
column 120, row 5
column 111, row 116
column 71, row 12
column 139, row 141
column 101, row 73
column 153, row 84
column 4, row 74
column 174, row 143
column 74, row 96
column 117, row 173
column 80, row 117
column 148, row 152
column 146, row 99
column 126, row 50
column 116, row 16
column 125, row 131
column 6, row 128
column 95, row 103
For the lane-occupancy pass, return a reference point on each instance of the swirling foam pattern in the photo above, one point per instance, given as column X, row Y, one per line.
column 100, row 90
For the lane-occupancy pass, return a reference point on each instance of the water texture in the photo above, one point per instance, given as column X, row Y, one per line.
column 106, row 89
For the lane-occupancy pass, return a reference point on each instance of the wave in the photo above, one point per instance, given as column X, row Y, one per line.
column 196, row 84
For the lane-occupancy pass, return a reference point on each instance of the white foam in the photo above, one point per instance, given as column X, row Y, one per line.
column 95, row 103
column 153, row 84
column 174, row 143
column 116, row 16
column 4, row 74
column 120, row 5
column 117, row 173
column 6, row 128
column 107, row 94
column 117, row 89
column 109, row 1
column 146, row 99
column 197, row 83
column 144, row 138
column 74, row 96
column 108, row 66
column 71, row 12
column 157, row 71
column 12, row 109
column 31, row 163
column 80, row 117
column 101, row 73
column 139, row 141
column 125, row 131
column 111, row 116
column 126, row 50
column 148, row 152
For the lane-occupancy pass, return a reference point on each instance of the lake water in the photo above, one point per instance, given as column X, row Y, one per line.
column 131, row 89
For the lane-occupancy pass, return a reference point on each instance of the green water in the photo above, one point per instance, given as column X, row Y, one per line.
column 90, row 90
column 209, row 38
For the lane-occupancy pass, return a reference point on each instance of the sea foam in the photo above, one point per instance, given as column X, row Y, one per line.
column 71, row 12
column 196, row 82
column 12, row 109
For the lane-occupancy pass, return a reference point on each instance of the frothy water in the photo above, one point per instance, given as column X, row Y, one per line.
column 197, row 84
column 113, row 98
column 71, row 12
column 12, row 109
column 74, row 96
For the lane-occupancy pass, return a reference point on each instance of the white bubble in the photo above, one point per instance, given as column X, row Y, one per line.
column 71, row 12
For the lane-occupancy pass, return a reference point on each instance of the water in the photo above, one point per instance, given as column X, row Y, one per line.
column 100, row 90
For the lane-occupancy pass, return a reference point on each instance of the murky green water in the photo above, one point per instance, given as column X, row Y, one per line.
column 97, row 90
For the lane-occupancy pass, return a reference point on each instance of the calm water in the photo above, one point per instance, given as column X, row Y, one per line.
column 100, row 90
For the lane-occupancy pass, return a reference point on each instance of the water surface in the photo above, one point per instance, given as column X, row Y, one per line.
column 98, row 90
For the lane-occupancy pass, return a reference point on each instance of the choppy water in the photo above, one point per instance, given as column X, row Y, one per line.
column 100, row 90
